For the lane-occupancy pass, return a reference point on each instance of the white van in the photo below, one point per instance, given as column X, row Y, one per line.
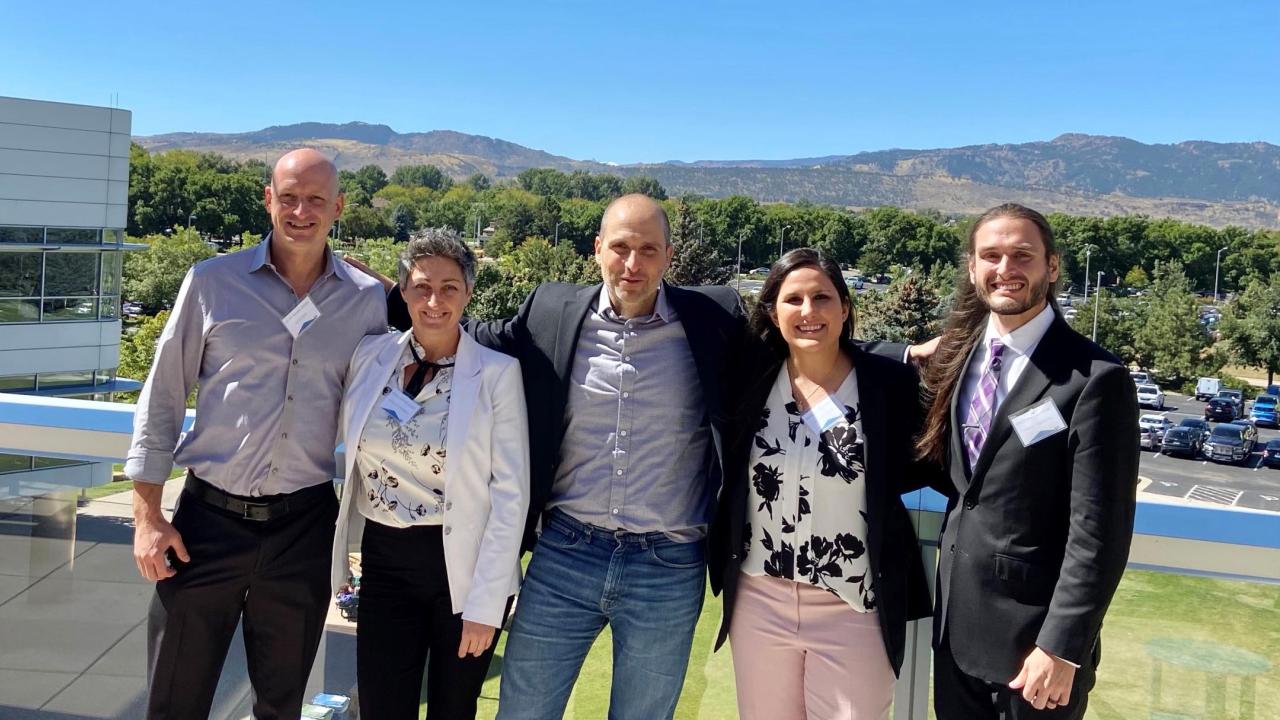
column 1207, row 387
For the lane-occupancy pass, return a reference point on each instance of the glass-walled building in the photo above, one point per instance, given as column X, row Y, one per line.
column 64, row 185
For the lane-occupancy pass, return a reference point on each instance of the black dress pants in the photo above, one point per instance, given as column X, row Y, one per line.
column 960, row 696
column 273, row 573
column 406, row 614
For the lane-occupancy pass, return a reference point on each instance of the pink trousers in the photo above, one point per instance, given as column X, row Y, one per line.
column 801, row 653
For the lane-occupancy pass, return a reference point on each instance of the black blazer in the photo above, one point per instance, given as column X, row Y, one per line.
column 888, row 395
column 1036, row 538
column 543, row 335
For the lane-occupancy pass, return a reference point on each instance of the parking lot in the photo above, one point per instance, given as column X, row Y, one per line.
column 1250, row 485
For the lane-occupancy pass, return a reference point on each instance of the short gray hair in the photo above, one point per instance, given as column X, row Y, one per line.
column 438, row 242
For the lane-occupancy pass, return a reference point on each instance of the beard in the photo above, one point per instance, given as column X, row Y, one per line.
column 1036, row 295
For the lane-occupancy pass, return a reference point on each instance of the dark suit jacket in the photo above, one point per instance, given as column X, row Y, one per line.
column 888, row 394
column 543, row 335
column 1036, row 538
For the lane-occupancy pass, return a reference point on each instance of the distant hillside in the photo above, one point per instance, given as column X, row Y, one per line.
column 1213, row 183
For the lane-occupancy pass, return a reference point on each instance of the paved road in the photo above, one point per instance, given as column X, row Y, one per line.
column 1250, row 485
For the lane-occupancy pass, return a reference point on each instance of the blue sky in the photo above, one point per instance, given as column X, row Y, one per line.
column 658, row 81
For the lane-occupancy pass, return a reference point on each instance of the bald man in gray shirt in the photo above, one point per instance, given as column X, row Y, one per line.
column 266, row 333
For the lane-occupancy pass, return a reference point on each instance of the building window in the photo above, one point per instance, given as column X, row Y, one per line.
column 26, row 235
column 60, row 285
column 73, row 236
column 64, row 379
column 16, row 383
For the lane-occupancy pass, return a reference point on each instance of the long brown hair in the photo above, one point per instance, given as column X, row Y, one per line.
column 761, row 322
column 966, row 324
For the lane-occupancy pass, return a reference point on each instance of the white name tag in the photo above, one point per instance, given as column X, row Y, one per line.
column 302, row 315
column 824, row 415
column 400, row 406
column 1037, row 422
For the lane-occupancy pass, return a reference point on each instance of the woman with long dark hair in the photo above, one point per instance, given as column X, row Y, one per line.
column 812, row 546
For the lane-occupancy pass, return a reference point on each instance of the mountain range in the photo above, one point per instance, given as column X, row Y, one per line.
column 1198, row 181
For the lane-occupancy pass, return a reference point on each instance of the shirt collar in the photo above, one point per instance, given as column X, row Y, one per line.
column 1023, row 340
column 262, row 258
column 661, row 308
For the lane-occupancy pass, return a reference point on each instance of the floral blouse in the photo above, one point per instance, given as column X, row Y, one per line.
column 807, row 508
column 402, row 464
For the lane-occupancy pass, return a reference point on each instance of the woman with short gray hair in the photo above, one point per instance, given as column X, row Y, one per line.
column 437, row 468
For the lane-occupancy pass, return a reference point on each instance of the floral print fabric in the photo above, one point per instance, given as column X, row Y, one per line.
column 807, row 509
column 401, row 465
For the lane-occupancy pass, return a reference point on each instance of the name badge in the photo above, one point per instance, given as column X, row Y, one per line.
column 1037, row 422
column 400, row 406
column 301, row 316
column 824, row 415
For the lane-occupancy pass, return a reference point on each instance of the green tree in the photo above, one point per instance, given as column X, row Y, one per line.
column 910, row 310
column 1118, row 321
column 1171, row 342
column 402, row 222
column 1251, row 326
column 502, row 285
column 478, row 182
column 1136, row 277
column 427, row 176
column 364, row 222
column 644, row 185
column 696, row 261
column 153, row 276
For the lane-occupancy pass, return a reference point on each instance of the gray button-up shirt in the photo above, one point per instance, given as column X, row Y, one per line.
column 267, row 410
column 636, row 441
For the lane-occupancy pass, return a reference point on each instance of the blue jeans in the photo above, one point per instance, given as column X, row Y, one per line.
column 581, row 577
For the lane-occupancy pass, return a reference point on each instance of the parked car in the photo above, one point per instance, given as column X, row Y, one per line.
column 1140, row 377
column 1064, row 300
column 1150, row 396
column 1148, row 439
column 1220, row 410
column 1207, row 387
column 1271, row 454
column 1201, row 426
column 857, row 282
column 1236, row 397
column 1158, row 424
column 1230, row 442
column 1069, row 313
column 760, row 271
column 1264, row 412
column 1182, row 441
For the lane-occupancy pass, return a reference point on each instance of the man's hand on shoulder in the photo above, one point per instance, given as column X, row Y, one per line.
column 918, row 354
column 1045, row 680
column 387, row 282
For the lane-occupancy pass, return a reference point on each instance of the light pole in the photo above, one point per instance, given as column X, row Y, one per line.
column 556, row 242
column 1216, row 267
column 739, row 280
column 190, row 217
column 1097, row 298
column 782, row 236
column 1087, row 251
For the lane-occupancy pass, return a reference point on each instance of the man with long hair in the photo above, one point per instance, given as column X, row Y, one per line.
column 1033, row 425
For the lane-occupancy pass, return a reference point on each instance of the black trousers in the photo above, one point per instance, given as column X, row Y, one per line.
column 960, row 696
column 274, row 574
column 406, row 614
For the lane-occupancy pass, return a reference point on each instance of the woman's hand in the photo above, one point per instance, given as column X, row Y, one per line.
column 476, row 638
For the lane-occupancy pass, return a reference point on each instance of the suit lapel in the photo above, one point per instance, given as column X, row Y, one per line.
column 381, row 375
column 960, row 470
column 462, row 396
column 572, row 315
column 703, row 340
column 872, row 409
column 1032, row 383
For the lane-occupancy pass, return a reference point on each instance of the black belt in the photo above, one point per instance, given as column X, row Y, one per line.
column 263, row 509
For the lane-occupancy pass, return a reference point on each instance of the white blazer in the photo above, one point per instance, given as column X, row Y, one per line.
column 486, row 469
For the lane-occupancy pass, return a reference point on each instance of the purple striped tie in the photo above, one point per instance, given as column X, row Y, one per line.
column 978, row 422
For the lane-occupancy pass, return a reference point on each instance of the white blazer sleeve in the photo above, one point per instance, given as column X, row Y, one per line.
column 508, row 500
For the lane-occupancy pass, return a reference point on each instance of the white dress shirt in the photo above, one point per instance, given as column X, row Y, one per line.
column 1018, row 346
